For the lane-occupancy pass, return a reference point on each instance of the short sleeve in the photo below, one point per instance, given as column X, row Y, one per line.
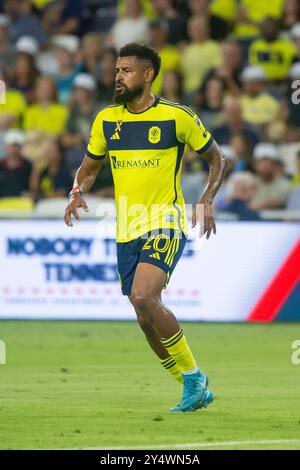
column 190, row 130
column 97, row 147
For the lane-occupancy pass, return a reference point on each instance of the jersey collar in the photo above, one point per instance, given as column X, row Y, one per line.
column 153, row 105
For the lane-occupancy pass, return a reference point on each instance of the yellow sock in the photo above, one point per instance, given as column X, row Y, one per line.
column 170, row 365
column 178, row 348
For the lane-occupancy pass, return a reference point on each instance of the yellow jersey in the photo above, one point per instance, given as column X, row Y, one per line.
column 225, row 9
column 256, row 11
column 145, row 152
column 260, row 109
column 197, row 60
column 51, row 119
column 274, row 57
column 14, row 105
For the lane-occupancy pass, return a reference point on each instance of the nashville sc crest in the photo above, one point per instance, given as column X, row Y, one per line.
column 154, row 134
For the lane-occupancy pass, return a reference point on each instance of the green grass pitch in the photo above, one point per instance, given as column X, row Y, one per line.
column 74, row 385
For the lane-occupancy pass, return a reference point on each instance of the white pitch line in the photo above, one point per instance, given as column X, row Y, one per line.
column 198, row 444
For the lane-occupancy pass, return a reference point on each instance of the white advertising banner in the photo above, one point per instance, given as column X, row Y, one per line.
column 51, row 271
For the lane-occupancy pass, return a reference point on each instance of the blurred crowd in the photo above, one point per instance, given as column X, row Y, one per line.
column 236, row 63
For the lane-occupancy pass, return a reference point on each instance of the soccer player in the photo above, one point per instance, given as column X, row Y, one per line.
column 144, row 136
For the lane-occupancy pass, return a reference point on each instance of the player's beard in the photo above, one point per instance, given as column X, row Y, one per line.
column 127, row 94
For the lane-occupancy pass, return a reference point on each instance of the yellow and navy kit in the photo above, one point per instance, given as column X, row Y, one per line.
column 145, row 151
column 275, row 58
column 161, row 247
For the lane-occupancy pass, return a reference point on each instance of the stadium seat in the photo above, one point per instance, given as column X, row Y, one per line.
column 100, row 206
column 14, row 205
column 55, row 208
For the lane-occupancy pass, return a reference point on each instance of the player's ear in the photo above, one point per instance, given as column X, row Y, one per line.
column 149, row 73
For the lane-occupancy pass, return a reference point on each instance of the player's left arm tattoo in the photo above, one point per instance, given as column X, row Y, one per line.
column 218, row 167
column 203, row 210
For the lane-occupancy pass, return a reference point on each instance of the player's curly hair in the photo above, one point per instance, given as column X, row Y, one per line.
column 142, row 51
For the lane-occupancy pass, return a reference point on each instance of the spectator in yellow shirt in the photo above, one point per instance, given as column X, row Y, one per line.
column 47, row 114
column 229, row 72
column 273, row 54
column 12, row 107
column 250, row 14
column 11, row 112
column 222, row 16
column 258, row 106
column 170, row 57
column 200, row 55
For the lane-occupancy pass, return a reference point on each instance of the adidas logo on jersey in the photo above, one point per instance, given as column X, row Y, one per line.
column 155, row 255
column 116, row 135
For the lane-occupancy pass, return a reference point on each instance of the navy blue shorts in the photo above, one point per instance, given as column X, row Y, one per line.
column 161, row 247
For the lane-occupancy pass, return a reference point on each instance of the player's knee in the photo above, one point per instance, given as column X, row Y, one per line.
column 143, row 301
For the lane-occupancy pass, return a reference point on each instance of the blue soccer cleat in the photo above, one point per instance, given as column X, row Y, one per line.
column 195, row 393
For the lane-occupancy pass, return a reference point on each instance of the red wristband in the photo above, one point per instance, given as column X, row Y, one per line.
column 76, row 188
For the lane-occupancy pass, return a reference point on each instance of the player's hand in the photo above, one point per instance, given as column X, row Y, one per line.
column 203, row 213
column 75, row 202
